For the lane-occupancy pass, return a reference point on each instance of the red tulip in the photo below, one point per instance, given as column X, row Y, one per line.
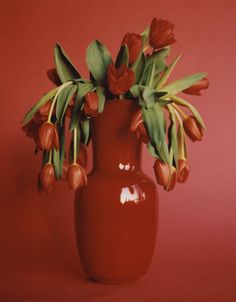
column 48, row 137
column 195, row 89
column 134, row 44
column 161, row 33
column 183, row 170
column 46, row 178
column 172, row 180
column 31, row 129
column 82, row 156
column 91, row 104
column 192, row 128
column 76, row 176
column 53, row 76
column 42, row 113
column 162, row 172
column 119, row 79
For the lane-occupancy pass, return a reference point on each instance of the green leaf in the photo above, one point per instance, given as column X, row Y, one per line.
column 46, row 97
column 152, row 150
column 84, row 124
column 167, row 73
column 98, row 58
column 182, row 84
column 45, row 157
column 61, row 101
column 150, row 75
column 145, row 35
column 122, row 57
column 65, row 68
column 101, row 99
column 56, row 162
column 180, row 101
column 82, row 90
column 138, row 67
column 154, row 119
column 172, row 134
column 70, row 94
column 62, row 146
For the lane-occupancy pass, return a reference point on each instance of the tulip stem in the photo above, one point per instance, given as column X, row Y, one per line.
column 176, row 107
column 75, row 146
column 55, row 98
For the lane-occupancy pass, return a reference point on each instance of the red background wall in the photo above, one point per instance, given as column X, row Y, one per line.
column 195, row 252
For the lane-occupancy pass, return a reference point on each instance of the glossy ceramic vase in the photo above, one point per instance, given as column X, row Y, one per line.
column 116, row 213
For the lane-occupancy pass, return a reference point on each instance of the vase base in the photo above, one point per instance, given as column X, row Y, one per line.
column 110, row 281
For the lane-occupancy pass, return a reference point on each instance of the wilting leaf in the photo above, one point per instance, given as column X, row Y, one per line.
column 138, row 67
column 65, row 68
column 172, row 134
column 61, row 101
column 84, row 125
column 101, row 99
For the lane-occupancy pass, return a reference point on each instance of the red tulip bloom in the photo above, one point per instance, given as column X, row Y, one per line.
column 46, row 178
column 119, row 79
column 183, row 170
column 196, row 88
column 134, row 44
column 91, row 104
column 192, row 128
column 48, row 137
column 161, row 33
column 162, row 172
column 76, row 176
column 42, row 113
column 53, row 76
column 172, row 180
column 31, row 129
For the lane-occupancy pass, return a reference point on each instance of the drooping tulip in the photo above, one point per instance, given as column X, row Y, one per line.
column 31, row 129
column 76, row 176
column 172, row 180
column 183, row 170
column 46, row 178
column 138, row 127
column 196, row 88
column 161, row 33
column 42, row 113
column 91, row 104
column 119, row 79
column 162, row 172
column 48, row 137
column 134, row 44
column 192, row 128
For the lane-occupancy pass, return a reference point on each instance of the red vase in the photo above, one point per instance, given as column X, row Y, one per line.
column 116, row 213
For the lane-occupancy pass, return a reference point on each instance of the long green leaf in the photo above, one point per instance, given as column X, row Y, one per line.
column 46, row 97
column 154, row 119
column 61, row 101
column 138, row 67
column 82, row 90
column 98, row 58
column 85, row 129
column 145, row 35
column 172, row 133
column 70, row 94
column 65, row 68
column 167, row 73
column 182, row 84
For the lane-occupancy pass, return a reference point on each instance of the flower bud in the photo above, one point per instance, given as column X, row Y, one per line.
column 183, row 170
column 48, row 137
column 76, row 176
column 196, row 88
column 91, row 104
column 119, row 79
column 192, row 128
column 134, row 44
column 161, row 33
column 162, row 172
column 46, row 178
column 172, row 180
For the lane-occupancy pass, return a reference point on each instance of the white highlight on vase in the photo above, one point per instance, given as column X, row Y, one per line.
column 132, row 193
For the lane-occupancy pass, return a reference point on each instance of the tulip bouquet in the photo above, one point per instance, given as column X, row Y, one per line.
column 139, row 73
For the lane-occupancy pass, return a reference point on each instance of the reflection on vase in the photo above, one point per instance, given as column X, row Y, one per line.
column 133, row 193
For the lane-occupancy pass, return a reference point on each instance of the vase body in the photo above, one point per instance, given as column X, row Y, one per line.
column 116, row 213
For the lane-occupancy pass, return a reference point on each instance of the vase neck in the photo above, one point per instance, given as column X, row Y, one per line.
column 115, row 147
